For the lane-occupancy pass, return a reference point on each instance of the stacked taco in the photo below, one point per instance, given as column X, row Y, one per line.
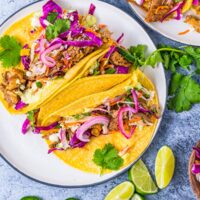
column 78, row 87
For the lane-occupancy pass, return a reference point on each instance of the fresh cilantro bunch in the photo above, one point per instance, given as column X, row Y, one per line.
column 9, row 51
column 108, row 158
column 183, row 91
column 56, row 27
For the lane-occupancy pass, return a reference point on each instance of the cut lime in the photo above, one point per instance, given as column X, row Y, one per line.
column 140, row 176
column 164, row 167
column 123, row 191
column 137, row 197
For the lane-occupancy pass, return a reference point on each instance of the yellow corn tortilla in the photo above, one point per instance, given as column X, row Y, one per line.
column 82, row 87
column 21, row 31
column 81, row 158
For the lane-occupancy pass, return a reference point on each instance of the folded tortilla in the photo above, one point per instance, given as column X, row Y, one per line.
column 81, row 158
column 54, row 86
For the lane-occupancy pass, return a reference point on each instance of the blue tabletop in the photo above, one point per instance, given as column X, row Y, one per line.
column 179, row 131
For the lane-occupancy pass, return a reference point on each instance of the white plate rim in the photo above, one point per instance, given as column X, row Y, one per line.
column 130, row 165
column 181, row 41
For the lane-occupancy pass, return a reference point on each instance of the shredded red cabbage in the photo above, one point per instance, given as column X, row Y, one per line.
column 195, row 2
column 135, row 99
column 92, row 9
column 25, row 59
column 120, row 38
column 26, row 125
column 49, row 7
column 121, row 69
column 177, row 8
column 38, row 129
column 197, row 152
column 73, row 17
column 111, row 51
column 96, row 40
column 20, row 104
column 75, row 142
column 196, row 168
column 55, row 149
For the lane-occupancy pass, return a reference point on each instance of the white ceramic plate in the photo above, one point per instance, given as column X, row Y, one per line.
column 170, row 29
column 28, row 153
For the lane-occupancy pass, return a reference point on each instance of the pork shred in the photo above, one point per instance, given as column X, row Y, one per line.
column 113, row 126
column 117, row 59
column 194, row 22
column 12, row 81
column 158, row 9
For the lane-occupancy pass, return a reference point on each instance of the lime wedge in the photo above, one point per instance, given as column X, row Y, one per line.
column 164, row 167
column 137, row 197
column 123, row 191
column 141, row 178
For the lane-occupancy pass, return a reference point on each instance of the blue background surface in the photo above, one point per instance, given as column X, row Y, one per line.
column 179, row 131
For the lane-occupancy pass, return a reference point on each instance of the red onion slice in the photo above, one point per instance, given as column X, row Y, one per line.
column 87, row 125
column 120, row 121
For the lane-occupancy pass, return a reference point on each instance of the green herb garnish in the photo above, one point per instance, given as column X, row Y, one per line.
column 52, row 16
column 60, row 26
column 39, row 84
column 185, row 91
column 110, row 71
column 80, row 116
column 108, row 158
column 71, row 198
column 31, row 117
column 9, row 51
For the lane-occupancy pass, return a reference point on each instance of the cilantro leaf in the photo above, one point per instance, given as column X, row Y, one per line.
column 31, row 117
column 153, row 59
column 60, row 26
column 187, row 93
column 195, row 54
column 110, row 71
column 174, row 83
column 185, row 61
column 108, row 158
column 9, row 51
column 52, row 16
column 139, row 53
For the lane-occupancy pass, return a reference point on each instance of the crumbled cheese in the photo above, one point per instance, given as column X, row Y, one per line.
column 17, row 81
column 54, row 138
column 35, row 22
column 59, row 145
column 22, row 87
column 28, row 73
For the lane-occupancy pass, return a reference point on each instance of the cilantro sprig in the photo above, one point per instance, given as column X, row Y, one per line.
column 58, row 27
column 108, row 158
column 9, row 51
column 184, row 91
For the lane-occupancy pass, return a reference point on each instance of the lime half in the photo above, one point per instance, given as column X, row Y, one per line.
column 123, row 191
column 164, row 167
column 141, row 178
column 137, row 197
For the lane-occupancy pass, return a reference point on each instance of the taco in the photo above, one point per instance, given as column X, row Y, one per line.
column 45, row 52
column 124, row 116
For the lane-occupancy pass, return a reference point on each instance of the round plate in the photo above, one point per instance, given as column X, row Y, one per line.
column 171, row 28
column 28, row 153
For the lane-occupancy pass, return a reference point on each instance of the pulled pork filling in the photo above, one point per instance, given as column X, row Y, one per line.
column 194, row 22
column 76, row 131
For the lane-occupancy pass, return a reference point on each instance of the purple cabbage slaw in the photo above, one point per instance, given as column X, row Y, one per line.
column 177, row 8
column 196, row 167
column 25, row 127
column 49, row 7
column 20, row 104
column 38, row 129
column 26, row 59
column 92, row 9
